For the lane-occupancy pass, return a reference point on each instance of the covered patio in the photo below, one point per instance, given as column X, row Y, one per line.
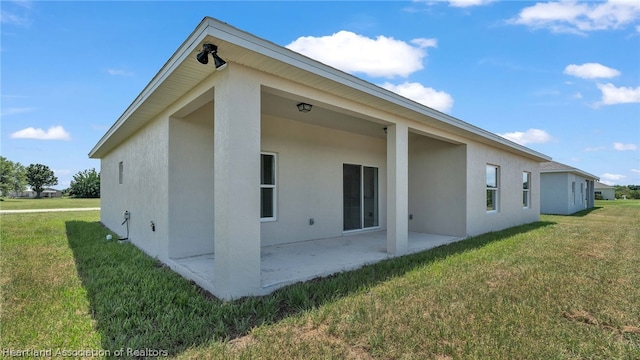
column 286, row 264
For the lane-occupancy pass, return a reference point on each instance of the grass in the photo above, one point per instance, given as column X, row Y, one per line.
column 567, row 287
column 47, row 203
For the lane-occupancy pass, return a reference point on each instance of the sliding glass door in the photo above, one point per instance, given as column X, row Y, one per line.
column 360, row 197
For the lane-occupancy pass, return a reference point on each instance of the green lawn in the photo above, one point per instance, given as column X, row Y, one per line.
column 48, row 203
column 567, row 287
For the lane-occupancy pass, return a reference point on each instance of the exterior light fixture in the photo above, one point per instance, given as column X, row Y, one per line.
column 304, row 107
column 385, row 130
column 203, row 56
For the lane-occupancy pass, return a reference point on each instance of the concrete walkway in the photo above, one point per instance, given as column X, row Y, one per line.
column 46, row 210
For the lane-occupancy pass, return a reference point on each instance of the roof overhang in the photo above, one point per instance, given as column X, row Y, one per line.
column 182, row 72
column 556, row 167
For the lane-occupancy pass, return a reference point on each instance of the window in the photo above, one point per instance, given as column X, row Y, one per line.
column 120, row 171
column 526, row 189
column 573, row 193
column 268, row 187
column 581, row 193
column 493, row 174
column 360, row 197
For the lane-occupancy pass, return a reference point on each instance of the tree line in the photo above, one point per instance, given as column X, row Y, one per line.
column 627, row 191
column 14, row 178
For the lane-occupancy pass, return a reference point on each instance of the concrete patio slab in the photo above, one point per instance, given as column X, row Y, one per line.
column 286, row 264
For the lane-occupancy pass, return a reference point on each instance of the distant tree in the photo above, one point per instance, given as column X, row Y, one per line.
column 85, row 184
column 627, row 191
column 12, row 177
column 39, row 176
column 19, row 178
column 6, row 168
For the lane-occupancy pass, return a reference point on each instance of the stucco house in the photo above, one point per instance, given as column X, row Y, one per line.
column 29, row 193
column 605, row 191
column 275, row 168
column 565, row 189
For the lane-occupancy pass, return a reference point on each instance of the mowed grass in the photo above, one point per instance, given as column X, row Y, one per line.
column 567, row 287
column 48, row 203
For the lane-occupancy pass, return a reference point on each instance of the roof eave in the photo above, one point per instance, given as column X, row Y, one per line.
column 224, row 32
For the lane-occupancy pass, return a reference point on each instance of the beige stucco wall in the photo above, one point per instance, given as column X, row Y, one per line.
column 144, row 188
column 437, row 186
column 191, row 183
column 309, row 178
column 510, row 211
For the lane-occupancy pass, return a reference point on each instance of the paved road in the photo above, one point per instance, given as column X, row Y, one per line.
column 46, row 210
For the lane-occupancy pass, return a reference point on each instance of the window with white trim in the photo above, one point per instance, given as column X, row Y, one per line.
column 573, row 193
column 120, row 172
column 582, row 193
column 493, row 187
column 526, row 189
column 268, row 193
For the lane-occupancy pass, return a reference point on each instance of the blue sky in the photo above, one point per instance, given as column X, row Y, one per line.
column 562, row 78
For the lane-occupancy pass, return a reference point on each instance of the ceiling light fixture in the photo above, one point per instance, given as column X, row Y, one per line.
column 304, row 107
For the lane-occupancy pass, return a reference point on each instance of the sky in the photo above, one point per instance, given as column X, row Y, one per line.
column 562, row 78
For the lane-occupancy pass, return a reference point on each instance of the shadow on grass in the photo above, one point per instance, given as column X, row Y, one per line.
column 140, row 304
column 586, row 212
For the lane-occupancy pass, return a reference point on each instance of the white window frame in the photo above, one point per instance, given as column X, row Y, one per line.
column 526, row 192
column 496, row 190
column 273, row 186
column 573, row 193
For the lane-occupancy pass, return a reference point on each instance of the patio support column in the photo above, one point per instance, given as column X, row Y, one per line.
column 397, row 189
column 236, row 187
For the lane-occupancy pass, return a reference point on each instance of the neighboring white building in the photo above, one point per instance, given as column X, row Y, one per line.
column 565, row 189
column 223, row 163
column 605, row 191
column 29, row 193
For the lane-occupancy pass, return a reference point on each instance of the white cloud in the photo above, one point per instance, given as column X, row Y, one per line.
column 62, row 172
column 430, row 97
column 612, row 177
column 27, row 4
column 635, row 170
column 13, row 111
column 54, row 133
column 618, row 95
column 469, row 3
column 353, row 53
column 577, row 95
column 531, row 136
column 579, row 17
column 14, row 19
column 591, row 71
column 595, row 148
column 624, row 147
column 119, row 72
